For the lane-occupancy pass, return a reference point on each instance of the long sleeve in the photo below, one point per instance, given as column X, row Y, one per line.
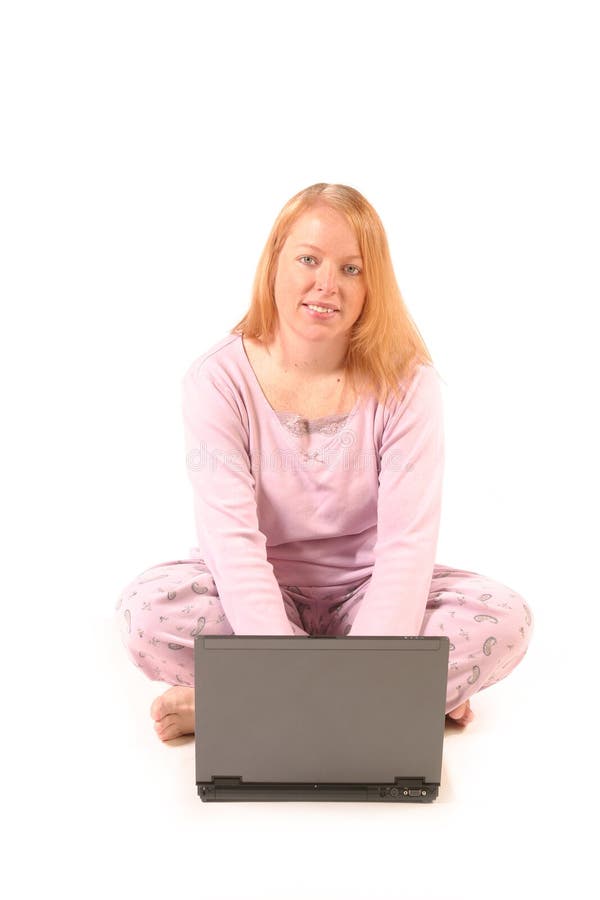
column 408, row 512
column 234, row 548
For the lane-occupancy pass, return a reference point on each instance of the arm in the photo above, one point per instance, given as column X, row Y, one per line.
column 408, row 512
column 233, row 547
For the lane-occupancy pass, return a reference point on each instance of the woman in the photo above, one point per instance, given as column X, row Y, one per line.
column 314, row 436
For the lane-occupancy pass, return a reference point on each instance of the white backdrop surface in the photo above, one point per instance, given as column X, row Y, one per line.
column 146, row 149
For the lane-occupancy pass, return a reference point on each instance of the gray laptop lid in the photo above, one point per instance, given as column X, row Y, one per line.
column 272, row 709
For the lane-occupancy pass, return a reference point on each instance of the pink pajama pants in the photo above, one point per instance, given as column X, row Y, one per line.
column 163, row 609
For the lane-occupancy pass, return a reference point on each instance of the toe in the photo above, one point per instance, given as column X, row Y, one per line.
column 462, row 715
column 173, row 712
column 459, row 712
column 168, row 728
column 157, row 709
column 160, row 725
column 164, row 704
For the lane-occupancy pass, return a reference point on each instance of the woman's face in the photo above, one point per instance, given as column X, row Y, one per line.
column 320, row 264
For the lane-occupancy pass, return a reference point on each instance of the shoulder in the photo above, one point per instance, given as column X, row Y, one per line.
column 422, row 383
column 216, row 364
column 426, row 378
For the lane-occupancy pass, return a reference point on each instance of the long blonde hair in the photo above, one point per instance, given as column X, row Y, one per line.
column 385, row 346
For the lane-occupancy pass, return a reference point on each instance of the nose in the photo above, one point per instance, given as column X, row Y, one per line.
column 326, row 277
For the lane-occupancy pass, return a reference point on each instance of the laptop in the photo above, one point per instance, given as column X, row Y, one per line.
column 319, row 718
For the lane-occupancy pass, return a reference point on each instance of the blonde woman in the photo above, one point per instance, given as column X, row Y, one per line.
column 315, row 451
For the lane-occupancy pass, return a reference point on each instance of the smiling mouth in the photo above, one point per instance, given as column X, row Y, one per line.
column 322, row 306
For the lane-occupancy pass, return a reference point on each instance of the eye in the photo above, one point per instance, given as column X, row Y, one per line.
column 356, row 270
column 304, row 258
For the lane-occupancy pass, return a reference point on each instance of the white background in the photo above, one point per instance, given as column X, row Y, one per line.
column 146, row 149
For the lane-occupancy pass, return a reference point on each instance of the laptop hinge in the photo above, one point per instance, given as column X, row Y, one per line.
column 217, row 784
column 401, row 789
column 233, row 780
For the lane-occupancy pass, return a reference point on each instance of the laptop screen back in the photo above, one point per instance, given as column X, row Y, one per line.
column 340, row 709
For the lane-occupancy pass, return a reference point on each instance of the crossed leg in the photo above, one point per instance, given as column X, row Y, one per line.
column 488, row 625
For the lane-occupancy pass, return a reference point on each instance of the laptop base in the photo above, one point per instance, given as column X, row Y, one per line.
column 403, row 790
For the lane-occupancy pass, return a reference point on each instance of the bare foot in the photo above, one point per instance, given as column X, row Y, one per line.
column 462, row 715
column 173, row 712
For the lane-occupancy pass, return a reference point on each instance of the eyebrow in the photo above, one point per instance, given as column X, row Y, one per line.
column 314, row 247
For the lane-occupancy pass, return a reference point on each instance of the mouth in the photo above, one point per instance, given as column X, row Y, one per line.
column 323, row 306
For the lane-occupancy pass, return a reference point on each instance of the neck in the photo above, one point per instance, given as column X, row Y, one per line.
column 309, row 359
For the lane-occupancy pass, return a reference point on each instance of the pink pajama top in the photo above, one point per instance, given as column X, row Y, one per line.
column 282, row 500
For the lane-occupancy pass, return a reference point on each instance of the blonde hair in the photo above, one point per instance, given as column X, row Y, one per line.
column 385, row 346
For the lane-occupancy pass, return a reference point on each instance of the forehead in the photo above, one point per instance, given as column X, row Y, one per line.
column 323, row 224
